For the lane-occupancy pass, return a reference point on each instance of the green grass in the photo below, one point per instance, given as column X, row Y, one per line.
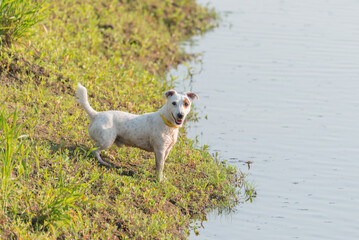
column 17, row 17
column 51, row 187
column 12, row 155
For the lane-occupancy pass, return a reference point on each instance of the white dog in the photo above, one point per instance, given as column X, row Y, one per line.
column 154, row 132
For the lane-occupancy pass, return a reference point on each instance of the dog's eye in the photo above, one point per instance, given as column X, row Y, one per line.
column 186, row 104
column 174, row 103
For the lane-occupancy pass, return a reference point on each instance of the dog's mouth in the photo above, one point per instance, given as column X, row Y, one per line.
column 177, row 121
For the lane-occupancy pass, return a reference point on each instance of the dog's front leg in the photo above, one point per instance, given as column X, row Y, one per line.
column 160, row 163
column 168, row 150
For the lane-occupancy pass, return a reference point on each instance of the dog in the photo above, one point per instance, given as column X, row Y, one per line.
column 154, row 132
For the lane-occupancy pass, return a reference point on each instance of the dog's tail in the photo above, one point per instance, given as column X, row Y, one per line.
column 81, row 97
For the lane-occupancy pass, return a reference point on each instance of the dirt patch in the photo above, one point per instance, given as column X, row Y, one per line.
column 17, row 69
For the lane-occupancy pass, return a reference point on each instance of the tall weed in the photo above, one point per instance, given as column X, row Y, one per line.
column 59, row 204
column 12, row 153
column 18, row 16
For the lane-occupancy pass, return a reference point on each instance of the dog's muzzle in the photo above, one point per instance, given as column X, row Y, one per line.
column 179, row 118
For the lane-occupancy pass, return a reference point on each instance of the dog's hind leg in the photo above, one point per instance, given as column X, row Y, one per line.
column 104, row 139
column 99, row 147
column 96, row 154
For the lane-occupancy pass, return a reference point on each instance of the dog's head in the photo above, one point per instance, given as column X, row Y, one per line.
column 178, row 106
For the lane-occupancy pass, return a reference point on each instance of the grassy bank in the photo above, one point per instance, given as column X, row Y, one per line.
column 50, row 184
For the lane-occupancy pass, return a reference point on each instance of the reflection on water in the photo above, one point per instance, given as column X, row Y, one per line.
column 280, row 88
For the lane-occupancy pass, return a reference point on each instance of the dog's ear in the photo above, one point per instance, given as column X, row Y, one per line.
column 191, row 96
column 169, row 93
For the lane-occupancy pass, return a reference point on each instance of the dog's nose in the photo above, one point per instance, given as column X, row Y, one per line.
column 180, row 116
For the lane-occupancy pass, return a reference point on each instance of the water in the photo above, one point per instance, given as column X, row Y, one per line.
column 280, row 86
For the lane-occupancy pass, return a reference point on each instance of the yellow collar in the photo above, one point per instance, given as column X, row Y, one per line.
column 167, row 122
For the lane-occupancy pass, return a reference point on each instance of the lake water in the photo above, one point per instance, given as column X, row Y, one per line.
column 279, row 84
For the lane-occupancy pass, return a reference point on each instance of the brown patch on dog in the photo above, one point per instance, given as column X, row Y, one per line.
column 186, row 104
